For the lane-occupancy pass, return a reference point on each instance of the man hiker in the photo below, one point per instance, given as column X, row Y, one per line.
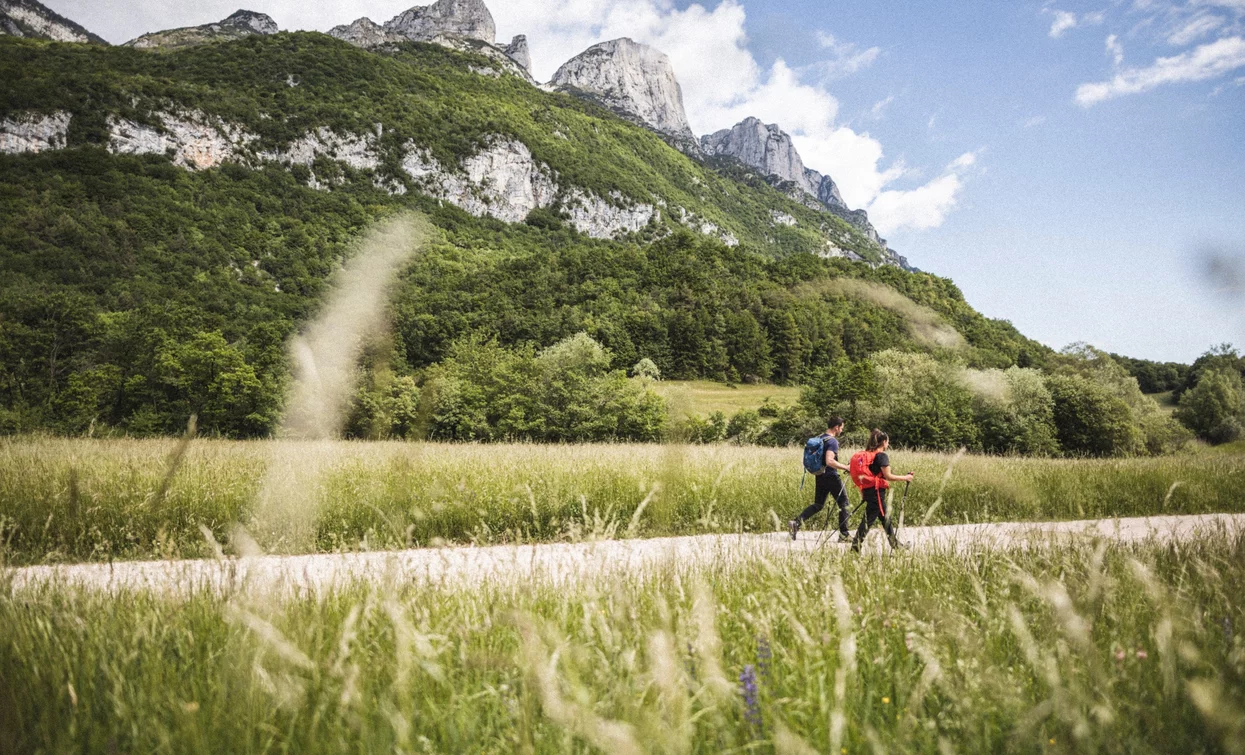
column 828, row 483
column 871, row 471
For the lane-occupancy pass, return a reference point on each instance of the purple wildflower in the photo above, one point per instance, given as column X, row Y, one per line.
column 752, row 704
column 764, row 655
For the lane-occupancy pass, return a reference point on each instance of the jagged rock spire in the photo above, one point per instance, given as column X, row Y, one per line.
column 455, row 18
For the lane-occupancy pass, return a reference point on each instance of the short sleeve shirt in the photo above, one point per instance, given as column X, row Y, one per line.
column 832, row 445
column 879, row 461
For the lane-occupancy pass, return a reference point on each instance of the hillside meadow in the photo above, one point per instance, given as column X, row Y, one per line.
column 67, row 500
column 1089, row 647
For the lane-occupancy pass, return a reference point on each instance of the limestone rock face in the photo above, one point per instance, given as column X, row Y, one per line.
column 456, row 18
column 243, row 23
column 30, row 18
column 194, row 140
column 518, row 52
column 767, row 148
column 33, row 132
column 364, row 32
column 635, row 81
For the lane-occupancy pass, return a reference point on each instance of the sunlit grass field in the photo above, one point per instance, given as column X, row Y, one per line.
column 703, row 397
column 96, row 500
column 1085, row 648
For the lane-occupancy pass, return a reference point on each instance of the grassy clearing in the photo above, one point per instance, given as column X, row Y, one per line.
column 703, row 397
column 77, row 500
column 1089, row 648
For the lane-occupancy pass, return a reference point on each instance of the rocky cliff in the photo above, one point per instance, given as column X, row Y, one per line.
column 635, row 81
column 242, row 23
column 770, row 151
column 29, row 18
column 518, row 52
column 364, row 32
column 456, row 18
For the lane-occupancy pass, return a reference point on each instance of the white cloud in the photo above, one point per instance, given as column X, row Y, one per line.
column 1035, row 121
column 1194, row 29
column 1064, row 20
column 879, row 108
column 923, row 208
column 847, row 58
column 1115, row 49
column 933, row 121
column 1207, row 61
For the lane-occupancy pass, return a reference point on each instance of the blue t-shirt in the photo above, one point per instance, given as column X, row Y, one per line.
column 832, row 444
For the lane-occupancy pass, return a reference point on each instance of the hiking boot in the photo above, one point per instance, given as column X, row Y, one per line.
column 793, row 527
column 844, row 537
column 901, row 546
column 855, row 545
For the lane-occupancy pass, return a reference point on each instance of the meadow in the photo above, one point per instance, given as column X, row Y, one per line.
column 1089, row 647
column 704, row 397
column 65, row 500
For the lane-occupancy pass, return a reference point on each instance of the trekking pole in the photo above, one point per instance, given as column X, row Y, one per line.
column 901, row 508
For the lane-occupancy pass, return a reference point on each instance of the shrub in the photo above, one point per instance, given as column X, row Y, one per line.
column 1090, row 420
column 1214, row 409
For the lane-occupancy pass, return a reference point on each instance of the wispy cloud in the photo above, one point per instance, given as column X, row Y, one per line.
column 1204, row 62
column 1194, row 29
column 1116, row 50
column 879, row 108
column 1034, row 122
column 1065, row 20
column 847, row 58
column 925, row 207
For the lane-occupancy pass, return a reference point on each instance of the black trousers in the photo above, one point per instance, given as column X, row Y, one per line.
column 828, row 484
column 874, row 510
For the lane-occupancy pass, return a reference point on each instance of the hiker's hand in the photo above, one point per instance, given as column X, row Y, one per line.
column 911, row 476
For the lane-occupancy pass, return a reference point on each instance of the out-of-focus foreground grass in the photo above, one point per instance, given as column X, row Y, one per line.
column 1082, row 648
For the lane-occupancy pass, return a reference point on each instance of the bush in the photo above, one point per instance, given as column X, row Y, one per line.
column 1090, row 420
column 745, row 427
column 1215, row 408
column 1017, row 417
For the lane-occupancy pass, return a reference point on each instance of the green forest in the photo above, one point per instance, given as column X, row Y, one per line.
column 134, row 293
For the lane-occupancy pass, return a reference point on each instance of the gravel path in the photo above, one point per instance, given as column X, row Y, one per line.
column 562, row 562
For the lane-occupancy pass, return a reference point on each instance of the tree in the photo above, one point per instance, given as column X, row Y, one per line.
column 1215, row 408
column 1090, row 420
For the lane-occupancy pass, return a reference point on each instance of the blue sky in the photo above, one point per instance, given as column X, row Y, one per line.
column 1066, row 163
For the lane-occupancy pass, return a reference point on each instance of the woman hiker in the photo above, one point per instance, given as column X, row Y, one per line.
column 828, row 484
column 871, row 471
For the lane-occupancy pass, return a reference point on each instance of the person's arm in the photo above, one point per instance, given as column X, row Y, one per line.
column 886, row 475
column 833, row 463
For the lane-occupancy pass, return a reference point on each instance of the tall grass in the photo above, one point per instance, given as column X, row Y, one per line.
column 68, row 500
column 1089, row 648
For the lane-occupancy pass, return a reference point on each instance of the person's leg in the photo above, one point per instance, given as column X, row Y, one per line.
column 840, row 496
column 822, row 490
column 872, row 512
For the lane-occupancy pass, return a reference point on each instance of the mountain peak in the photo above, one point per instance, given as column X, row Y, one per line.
column 456, row 18
column 634, row 80
column 30, row 18
column 239, row 24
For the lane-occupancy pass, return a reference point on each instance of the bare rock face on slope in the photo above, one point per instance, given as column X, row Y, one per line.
column 242, row 23
column 769, row 149
column 29, row 18
column 364, row 32
column 518, row 52
column 635, row 81
column 469, row 19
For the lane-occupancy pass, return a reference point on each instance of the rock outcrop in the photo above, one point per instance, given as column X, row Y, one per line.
column 518, row 52
column 242, row 23
column 29, row 18
column 455, row 18
column 364, row 32
column 194, row 140
column 34, row 132
column 634, row 80
column 769, row 149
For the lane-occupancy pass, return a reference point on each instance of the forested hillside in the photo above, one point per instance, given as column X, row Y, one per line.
column 134, row 292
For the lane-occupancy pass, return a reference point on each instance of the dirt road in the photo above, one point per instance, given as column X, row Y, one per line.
column 559, row 563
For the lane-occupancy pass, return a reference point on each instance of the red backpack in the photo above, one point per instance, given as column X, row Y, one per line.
column 858, row 468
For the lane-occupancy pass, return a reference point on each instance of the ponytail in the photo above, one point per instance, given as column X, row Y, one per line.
column 876, row 439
